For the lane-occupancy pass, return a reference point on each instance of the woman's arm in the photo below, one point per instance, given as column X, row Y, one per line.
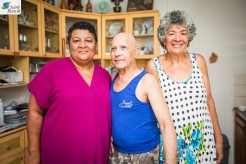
column 212, row 109
column 34, row 124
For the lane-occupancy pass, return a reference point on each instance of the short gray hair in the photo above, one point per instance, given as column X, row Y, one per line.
column 179, row 18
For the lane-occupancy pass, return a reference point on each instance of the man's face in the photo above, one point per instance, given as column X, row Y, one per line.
column 123, row 51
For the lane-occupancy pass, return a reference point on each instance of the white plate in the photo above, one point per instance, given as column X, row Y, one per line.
column 242, row 108
column 149, row 44
column 102, row 7
column 115, row 28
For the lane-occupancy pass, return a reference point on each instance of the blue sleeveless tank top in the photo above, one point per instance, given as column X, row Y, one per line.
column 134, row 126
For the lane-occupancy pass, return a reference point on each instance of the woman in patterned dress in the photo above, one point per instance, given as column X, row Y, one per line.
column 183, row 77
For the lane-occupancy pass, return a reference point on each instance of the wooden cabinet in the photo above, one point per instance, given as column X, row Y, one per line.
column 143, row 25
column 34, row 33
column 6, row 35
column 17, row 158
column 12, row 146
column 240, row 137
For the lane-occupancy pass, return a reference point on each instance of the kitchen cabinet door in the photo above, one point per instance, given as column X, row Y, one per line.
column 7, row 35
column 51, row 31
column 27, row 29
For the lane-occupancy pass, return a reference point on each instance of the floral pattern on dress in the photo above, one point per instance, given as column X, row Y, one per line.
column 193, row 142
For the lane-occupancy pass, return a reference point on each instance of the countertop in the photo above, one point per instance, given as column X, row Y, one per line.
column 8, row 127
column 242, row 115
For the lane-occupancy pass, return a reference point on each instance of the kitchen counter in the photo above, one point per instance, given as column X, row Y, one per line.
column 240, row 137
column 8, row 127
column 240, row 114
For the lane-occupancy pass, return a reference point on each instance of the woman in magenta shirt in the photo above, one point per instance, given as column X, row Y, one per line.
column 69, row 118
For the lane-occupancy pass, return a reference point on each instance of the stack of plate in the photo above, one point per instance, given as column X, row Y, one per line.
column 16, row 115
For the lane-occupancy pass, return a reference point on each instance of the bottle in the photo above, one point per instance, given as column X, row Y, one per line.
column 63, row 4
column 1, row 113
column 78, row 5
column 52, row 2
column 89, row 7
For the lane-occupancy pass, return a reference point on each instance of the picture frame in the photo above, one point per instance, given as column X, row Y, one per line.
column 139, row 5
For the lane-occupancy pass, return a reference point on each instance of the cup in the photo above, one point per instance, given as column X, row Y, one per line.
column 136, row 32
column 141, row 52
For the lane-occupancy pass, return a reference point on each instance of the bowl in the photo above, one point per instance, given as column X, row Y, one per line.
column 135, row 32
column 242, row 108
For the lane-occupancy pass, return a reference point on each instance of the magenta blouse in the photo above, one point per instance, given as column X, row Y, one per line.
column 77, row 122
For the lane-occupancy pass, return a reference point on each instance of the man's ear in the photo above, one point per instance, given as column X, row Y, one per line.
column 136, row 52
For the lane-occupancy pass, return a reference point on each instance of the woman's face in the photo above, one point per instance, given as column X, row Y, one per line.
column 176, row 39
column 82, row 46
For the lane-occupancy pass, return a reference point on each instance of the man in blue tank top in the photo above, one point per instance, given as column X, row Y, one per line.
column 137, row 106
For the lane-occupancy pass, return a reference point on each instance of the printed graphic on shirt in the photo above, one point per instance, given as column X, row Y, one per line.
column 125, row 104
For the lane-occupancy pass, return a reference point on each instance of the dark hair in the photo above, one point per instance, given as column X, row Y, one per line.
column 82, row 25
column 179, row 18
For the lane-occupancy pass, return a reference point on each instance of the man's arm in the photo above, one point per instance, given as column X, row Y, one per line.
column 160, row 108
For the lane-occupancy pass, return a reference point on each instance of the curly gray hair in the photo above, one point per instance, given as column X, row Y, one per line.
column 179, row 18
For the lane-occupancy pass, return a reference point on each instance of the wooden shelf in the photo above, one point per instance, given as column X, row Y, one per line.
column 12, row 85
column 144, row 35
column 52, row 31
column 22, row 25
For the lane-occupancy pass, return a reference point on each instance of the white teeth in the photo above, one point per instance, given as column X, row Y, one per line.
column 177, row 46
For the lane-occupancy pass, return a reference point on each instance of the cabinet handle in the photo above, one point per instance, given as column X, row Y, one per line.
column 8, row 147
column 16, row 53
column 63, row 47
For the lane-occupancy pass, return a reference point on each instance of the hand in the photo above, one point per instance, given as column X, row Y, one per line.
column 219, row 149
column 111, row 148
column 33, row 159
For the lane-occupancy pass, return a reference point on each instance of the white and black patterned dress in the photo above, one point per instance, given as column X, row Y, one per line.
column 187, row 103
